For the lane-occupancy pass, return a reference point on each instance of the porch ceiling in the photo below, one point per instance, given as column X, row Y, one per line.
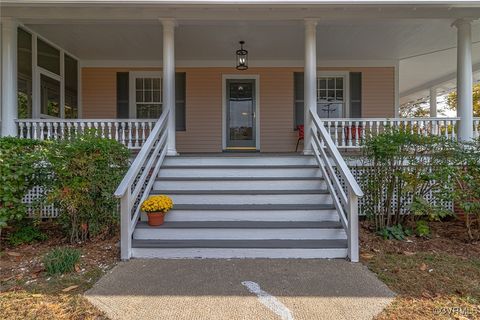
column 353, row 39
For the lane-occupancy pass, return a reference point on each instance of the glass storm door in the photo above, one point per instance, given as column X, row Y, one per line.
column 241, row 114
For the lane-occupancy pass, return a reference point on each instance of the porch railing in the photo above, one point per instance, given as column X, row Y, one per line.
column 351, row 133
column 346, row 202
column 137, row 183
column 131, row 132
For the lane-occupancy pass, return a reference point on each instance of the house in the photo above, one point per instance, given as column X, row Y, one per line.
column 211, row 94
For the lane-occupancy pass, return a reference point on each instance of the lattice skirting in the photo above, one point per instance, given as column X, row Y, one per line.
column 49, row 211
column 39, row 211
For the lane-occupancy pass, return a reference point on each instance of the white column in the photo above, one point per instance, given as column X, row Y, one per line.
column 169, row 81
column 464, row 79
column 9, row 77
column 310, row 81
column 433, row 102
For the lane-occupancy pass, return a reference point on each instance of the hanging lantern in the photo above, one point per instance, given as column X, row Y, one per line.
column 242, row 57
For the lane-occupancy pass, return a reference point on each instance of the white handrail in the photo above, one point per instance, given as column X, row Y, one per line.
column 346, row 203
column 138, row 181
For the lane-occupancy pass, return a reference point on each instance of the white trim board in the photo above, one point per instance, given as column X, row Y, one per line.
column 231, row 63
column 255, row 77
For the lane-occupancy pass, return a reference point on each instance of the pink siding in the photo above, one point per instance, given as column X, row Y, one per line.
column 204, row 103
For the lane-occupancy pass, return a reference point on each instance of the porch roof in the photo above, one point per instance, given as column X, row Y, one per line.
column 416, row 34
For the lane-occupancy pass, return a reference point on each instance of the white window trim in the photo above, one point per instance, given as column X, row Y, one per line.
column 132, row 75
column 36, row 70
column 346, row 81
column 226, row 77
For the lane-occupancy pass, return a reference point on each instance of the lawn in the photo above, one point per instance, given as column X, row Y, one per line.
column 26, row 292
column 435, row 278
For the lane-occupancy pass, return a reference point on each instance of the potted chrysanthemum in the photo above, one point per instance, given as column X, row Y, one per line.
column 156, row 208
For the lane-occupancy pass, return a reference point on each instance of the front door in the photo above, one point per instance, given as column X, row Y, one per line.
column 240, row 112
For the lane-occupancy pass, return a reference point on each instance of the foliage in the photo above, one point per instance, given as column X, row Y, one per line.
column 466, row 180
column 61, row 260
column 87, row 170
column 159, row 203
column 22, row 166
column 26, row 234
column 452, row 100
column 397, row 232
column 405, row 167
column 422, row 229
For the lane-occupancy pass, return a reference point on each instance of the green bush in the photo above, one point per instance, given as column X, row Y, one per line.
column 466, row 181
column 87, row 171
column 406, row 168
column 61, row 260
column 26, row 234
column 22, row 166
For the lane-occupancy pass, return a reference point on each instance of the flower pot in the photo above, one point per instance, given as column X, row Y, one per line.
column 155, row 218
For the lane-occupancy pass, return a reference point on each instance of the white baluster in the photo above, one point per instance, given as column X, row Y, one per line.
column 335, row 132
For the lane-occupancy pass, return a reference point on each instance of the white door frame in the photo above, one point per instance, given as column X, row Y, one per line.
column 132, row 75
column 226, row 77
column 346, row 87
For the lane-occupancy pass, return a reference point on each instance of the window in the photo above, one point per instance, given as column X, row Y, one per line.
column 71, row 87
column 148, row 97
column 330, row 97
column 338, row 95
column 48, row 88
column 24, row 74
column 146, row 94
column 48, row 57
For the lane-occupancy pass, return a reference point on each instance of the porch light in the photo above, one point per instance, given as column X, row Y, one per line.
column 242, row 57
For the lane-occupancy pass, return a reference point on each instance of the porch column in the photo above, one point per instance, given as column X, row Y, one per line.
column 433, row 102
column 169, row 81
column 9, row 77
column 310, row 81
column 464, row 79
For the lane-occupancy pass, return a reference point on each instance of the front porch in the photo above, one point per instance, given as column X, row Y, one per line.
column 170, row 84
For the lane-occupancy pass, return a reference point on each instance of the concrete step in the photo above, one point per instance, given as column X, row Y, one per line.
column 252, row 215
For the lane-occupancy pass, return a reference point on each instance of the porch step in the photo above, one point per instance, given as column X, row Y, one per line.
column 270, row 244
column 228, row 249
column 239, row 192
column 163, row 185
column 243, row 206
column 242, row 224
column 263, row 172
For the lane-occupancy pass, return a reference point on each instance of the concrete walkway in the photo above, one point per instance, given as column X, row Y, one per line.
column 212, row 289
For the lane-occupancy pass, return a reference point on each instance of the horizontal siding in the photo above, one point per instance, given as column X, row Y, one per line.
column 204, row 102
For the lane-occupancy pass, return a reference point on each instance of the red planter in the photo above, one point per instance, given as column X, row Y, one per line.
column 155, row 218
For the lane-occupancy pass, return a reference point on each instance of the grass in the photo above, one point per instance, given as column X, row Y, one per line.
column 430, row 283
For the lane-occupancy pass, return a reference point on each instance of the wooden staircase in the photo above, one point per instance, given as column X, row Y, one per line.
column 252, row 206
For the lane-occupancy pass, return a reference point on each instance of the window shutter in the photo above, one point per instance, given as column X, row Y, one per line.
column 122, row 95
column 355, row 94
column 180, row 101
column 298, row 99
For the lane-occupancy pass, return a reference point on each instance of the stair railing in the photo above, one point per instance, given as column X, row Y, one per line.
column 138, row 181
column 345, row 201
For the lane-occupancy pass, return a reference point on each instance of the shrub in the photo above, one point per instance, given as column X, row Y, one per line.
column 61, row 260
column 466, row 180
column 22, row 166
column 26, row 234
column 406, row 168
column 87, row 171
